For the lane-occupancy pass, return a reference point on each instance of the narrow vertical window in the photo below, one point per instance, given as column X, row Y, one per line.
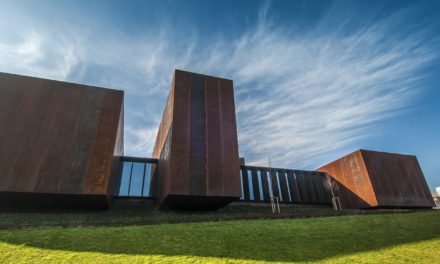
column 279, row 187
column 125, row 178
column 260, row 185
column 147, row 180
column 270, row 184
column 137, row 177
column 251, row 186
column 242, row 186
column 288, row 187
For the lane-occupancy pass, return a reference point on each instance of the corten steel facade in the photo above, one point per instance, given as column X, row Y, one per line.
column 197, row 144
column 61, row 146
column 371, row 179
column 59, row 143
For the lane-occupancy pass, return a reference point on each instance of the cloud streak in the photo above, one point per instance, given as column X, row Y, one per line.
column 299, row 97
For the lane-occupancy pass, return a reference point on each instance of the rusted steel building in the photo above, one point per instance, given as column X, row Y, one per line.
column 61, row 146
column 197, row 144
column 60, row 143
column 371, row 179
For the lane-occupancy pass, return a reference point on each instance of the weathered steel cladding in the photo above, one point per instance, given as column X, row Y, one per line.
column 397, row 179
column 291, row 186
column 197, row 137
column 197, row 143
column 57, row 137
column 351, row 174
column 371, row 179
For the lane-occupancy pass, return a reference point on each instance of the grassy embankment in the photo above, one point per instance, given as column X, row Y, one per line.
column 390, row 238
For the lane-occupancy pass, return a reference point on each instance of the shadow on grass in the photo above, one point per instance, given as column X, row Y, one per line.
column 265, row 240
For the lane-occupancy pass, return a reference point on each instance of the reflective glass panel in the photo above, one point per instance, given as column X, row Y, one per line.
column 288, row 187
column 242, row 186
column 269, row 182
column 260, row 185
column 147, row 180
column 251, row 186
column 125, row 178
column 279, row 187
column 137, row 176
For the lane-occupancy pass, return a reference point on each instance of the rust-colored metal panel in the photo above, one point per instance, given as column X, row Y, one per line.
column 105, row 145
column 353, row 180
column 397, row 179
column 378, row 179
column 197, row 143
column 57, row 137
column 214, row 137
column 165, row 124
column 117, row 164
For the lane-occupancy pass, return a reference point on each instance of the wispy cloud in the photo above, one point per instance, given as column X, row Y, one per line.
column 299, row 96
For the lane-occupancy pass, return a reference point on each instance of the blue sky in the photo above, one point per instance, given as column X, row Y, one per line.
column 313, row 80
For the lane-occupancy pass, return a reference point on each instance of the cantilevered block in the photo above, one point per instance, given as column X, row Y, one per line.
column 197, row 144
column 371, row 179
column 58, row 142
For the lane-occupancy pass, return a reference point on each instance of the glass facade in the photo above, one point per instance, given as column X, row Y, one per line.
column 259, row 184
column 136, row 177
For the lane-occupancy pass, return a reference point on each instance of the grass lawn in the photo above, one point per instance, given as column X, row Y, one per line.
column 150, row 215
column 389, row 238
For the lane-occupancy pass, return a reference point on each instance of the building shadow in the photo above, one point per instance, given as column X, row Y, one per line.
column 349, row 199
column 264, row 240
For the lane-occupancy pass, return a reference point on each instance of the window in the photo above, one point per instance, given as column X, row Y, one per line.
column 147, row 179
column 251, row 186
column 288, row 187
column 279, row 186
column 136, row 177
column 242, row 186
column 125, row 178
column 270, row 184
column 260, row 185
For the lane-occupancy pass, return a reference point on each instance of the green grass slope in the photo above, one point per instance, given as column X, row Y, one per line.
column 391, row 238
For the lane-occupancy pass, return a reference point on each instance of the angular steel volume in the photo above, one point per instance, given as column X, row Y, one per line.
column 58, row 142
column 197, row 144
column 371, row 179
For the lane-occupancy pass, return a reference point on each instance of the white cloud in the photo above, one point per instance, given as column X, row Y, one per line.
column 34, row 54
column 299, row 96
column 139, row 140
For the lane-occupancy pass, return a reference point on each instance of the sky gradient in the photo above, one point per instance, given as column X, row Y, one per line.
column 313, row 80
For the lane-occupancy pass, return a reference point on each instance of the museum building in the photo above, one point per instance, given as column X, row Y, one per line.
column 61, row 146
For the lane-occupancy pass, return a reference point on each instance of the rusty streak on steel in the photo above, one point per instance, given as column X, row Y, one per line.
column 371, row 179
column 197, row 144
column 58, row 138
